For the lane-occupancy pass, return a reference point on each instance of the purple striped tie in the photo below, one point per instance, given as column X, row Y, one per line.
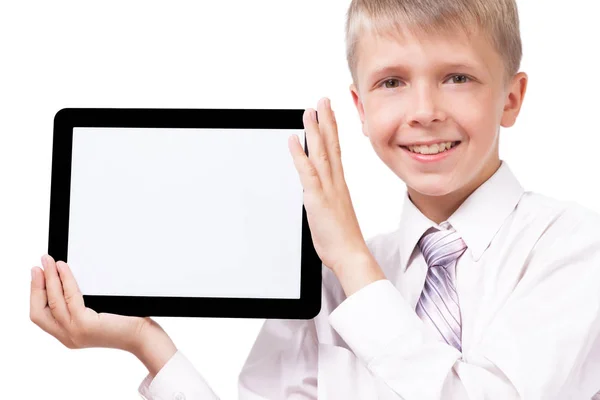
column 438, row 304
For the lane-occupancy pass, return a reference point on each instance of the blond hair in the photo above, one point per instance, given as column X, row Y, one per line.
column 498, row 20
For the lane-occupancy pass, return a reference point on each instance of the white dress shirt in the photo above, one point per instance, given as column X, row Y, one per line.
column 529, row 293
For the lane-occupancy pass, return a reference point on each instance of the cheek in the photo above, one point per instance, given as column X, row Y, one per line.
column 382, row 122
column 477, row 117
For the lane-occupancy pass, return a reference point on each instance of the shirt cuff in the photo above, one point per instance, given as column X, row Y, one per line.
column 177, row 380
column 373, row 318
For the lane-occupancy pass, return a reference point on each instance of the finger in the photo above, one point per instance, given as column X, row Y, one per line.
column 54, row 290
column 317, row 152
column 37, row 296
column 309, row 177
column 39, row 312
column 329, row 132
column 72, row 294
column 38, row 301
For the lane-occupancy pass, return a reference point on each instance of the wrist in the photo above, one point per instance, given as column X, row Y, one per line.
column 154, row 348
column 357, row 272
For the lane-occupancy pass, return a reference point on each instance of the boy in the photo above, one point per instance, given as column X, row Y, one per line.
column 483, row 291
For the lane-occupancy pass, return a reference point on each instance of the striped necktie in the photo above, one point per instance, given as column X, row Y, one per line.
column 438, row 304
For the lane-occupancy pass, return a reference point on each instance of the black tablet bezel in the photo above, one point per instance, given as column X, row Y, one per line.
column 309, row 304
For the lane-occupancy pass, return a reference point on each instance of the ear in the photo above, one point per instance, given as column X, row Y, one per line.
column 359, row 106
column 516, row 94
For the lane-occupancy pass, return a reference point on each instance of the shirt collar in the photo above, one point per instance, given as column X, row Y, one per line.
column 412, row 226
column 477, row 220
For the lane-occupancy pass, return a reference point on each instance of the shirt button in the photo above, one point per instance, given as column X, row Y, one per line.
column 179, row 396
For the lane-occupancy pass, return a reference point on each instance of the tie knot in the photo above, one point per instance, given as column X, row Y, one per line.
column 441, row 247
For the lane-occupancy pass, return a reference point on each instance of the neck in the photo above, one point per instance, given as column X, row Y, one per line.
column 440, row 208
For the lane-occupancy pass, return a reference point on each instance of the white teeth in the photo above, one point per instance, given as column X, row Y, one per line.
column 432, row 149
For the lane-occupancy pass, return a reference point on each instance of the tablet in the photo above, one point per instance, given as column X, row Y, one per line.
column 183, row 212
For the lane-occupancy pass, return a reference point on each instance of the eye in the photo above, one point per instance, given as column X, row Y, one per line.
column 464, row 79
column 391, row 80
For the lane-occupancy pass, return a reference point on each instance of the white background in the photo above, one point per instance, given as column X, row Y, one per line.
column 234, row 54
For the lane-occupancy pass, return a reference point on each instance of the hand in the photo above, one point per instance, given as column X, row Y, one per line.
column 335, row 230
column 57, row 307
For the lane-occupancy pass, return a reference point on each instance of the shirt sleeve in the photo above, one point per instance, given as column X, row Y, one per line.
column 177, row 380
column 282, row 364
column 541, row 344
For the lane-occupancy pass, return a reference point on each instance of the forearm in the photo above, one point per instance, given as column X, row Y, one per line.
column 516, row 358
column 154, row 348
column 388, row 337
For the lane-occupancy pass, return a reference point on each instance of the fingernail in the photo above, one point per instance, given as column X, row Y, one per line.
column 44, row 261
column 32, row 273
column 313, row 115
column 328, row 103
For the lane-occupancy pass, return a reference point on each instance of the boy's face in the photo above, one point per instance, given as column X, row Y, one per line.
column 434, row 90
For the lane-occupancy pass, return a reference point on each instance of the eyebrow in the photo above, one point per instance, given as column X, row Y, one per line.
column 388, row 69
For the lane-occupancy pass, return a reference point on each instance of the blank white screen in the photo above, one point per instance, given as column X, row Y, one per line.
column 185, row 212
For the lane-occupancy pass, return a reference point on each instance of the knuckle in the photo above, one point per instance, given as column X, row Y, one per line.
column 69, row 297
column 336, row 149
column 312, row 171
column 52, row 304
column 323, row 157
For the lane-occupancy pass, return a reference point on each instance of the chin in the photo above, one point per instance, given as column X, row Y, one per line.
column 431, row 191
column 435, row 188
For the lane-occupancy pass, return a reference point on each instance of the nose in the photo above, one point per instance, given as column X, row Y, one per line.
column 423, row 108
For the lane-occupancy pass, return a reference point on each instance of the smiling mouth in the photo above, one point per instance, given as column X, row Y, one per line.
column 432, row 149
